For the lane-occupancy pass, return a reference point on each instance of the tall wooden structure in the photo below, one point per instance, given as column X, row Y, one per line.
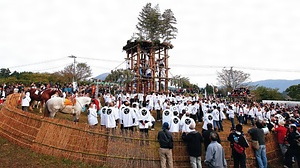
column 149, row 62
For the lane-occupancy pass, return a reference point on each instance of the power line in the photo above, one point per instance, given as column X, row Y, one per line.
column 237, row 67
column 106, row 60
column 196, row 66
column 119, row 65
column 36, row 63
column 269, row 69
column 197, row 74
column 51, row 68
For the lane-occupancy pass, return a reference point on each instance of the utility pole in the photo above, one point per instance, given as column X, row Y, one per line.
column 214, row 95
column 74, row 73
column 232, row 80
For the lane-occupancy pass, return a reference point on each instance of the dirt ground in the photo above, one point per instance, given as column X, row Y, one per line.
column 13, row 156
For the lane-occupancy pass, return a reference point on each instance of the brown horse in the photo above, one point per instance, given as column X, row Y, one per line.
column 43, row 96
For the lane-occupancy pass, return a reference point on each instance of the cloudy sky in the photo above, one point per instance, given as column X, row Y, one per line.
column 258, row 37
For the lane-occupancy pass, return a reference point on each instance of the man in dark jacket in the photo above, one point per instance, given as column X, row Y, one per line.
column 206, row 135
column 165, row 139
column 193, row 140
column 238, row 144
column 293, row 138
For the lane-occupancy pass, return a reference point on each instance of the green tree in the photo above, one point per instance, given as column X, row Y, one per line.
column 120, row 76
column 294, row 92
column 232, row 79
column 83, row 71
column 4, row 73
column 209, row 89
column 16, row 74
column 181, row 82
column 168, row 30
column 149, row 23
column 185, row 82
column 264, row 93
column 153, row 26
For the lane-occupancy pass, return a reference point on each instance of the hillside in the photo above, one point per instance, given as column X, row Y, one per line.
column 281, row 84
column 102, row 76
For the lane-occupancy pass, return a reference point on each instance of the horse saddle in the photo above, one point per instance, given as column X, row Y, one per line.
column 69, row 102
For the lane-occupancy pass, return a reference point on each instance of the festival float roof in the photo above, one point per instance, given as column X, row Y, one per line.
column 146, row 45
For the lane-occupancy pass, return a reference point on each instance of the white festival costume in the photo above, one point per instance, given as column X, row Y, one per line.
column 103, row 116
column 112, row 116
column 208, row 118
column 127, row 116
column 167, row 116
column 92, row 116
column 144, row 117
column 174, row 126
column 185, row 123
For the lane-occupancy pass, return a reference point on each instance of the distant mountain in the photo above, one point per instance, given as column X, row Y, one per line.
column 102, row 76
column 281, row 84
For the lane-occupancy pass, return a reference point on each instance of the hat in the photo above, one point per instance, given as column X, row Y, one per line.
column 165, row 125
column 292, row 125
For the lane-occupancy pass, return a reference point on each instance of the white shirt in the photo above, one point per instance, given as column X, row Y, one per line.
column 216, row 115
column 103, row 116
column 144, row 117
column 185, row 124
column 208, row 118
column 127, row 116
column 174, row 126
column 192, row 109
column 221, row 105
column 259, row 115
column 241, row 111
column 26, row 100
column 251, row 113
column 167, row 116
column 112, row 116
column 92, row 116
column 230, row 113
column 268, row 115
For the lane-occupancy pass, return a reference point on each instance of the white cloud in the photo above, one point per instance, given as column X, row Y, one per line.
column 260, row 35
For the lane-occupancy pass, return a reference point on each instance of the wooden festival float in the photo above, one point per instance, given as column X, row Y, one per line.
column 149, row 62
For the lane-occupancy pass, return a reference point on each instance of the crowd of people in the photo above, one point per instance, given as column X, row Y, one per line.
column 180, row 113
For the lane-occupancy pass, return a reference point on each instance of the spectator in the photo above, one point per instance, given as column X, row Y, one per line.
column 194, row 141
column 26, row 101
column 238, row 143
column 257, row 134
column 215, row 155
column 293, row 139
column 206, row 135
column 165, row 139
column 281, row 131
